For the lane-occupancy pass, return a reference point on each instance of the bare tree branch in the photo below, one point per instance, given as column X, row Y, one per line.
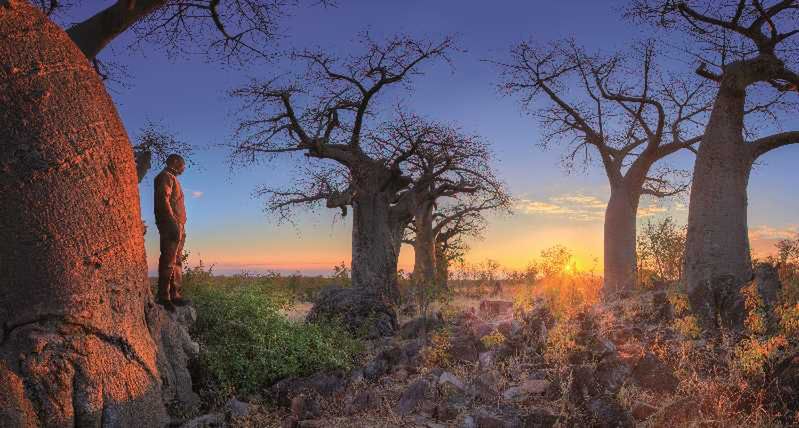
column 766, row 144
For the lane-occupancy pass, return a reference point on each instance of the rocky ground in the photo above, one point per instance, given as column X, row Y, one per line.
column 609, row 365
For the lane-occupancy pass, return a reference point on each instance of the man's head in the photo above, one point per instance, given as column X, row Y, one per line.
column 176, row 163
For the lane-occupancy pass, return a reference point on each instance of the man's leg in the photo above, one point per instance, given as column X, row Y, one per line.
column 176, row 289
column 166, row 267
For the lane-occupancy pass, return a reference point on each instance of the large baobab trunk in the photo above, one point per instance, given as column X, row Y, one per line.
column 376, row 238
column 75, row 349
column 620, row 259
column 717, row 242
column 424, row 267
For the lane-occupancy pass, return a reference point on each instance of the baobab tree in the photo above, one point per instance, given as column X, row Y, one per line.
column 446, row 224
column 747, row 49
column 621, row 109
column 75, row 346
column 330, row 115
column 446, row 165
column 454, row 226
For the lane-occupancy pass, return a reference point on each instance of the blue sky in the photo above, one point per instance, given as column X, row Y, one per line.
column 227, row 226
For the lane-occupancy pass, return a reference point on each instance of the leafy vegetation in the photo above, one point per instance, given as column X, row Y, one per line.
column 247, row 343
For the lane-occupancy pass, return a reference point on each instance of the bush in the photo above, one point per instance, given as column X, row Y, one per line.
column 248, row 344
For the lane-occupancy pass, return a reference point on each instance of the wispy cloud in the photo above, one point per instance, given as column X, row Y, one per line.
column 579, row 207
column 572, row 206
column 763, row 238
column 765, row 232
column 196, row 194
column 651, row 210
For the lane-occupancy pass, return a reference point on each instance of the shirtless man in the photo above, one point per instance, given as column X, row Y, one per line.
column 170, row 217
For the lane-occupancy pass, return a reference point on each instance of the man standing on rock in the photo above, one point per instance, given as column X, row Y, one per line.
column 170, row 217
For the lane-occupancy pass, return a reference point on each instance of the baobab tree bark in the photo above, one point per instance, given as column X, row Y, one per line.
column 620, row 263
column 751, row 43
column 75, row 349
column 442, row 264
column 424, row 244
column 376, row 239
column 717, row 242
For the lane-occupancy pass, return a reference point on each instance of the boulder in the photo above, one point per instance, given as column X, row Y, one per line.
column 535, row 386
column 401, row 374
column 504, row 419
column 451, row 388
column 356, row 376
column 324, row 384
column 465, row 347
column 526, row 389
column 419, row 327
column 515, row 393
column 469, row 422
column 539, row 418
column 496, row 308
column 642, row 410
column 655, row 375
column 510, row 329
column 677, row 413
column 583, row 383
column 486, row 359
column 175, row 350
column 305, row 407
column 417, row 393
column 361, row 402
column 767, row 280
column 605, row 411
column 238, row 409
column 611, row 373
column 719, row 303
column 480, row 328
column 213, row 420
column 362, row 311
column 375, row 368
column 486, row 385
column 445, row 412
column 448, row 379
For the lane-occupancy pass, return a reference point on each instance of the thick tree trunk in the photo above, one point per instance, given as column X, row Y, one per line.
column 620, row 259
column 376, row 239
column 442, row 266
column 717, row 242
column 424, row 245
column 75, row 349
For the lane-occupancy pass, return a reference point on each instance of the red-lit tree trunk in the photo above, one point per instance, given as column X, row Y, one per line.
column 75, row 349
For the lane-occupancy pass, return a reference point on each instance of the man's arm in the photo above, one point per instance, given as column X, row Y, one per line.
column 163, row 191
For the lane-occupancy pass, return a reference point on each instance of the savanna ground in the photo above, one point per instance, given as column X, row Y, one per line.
column 555, row 355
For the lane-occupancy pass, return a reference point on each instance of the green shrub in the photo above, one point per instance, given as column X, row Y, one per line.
column 248, row 344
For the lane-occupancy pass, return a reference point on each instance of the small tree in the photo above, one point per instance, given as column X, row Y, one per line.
column 554, row 261
column 453, row 179
column 661, row 247
column 155, row 141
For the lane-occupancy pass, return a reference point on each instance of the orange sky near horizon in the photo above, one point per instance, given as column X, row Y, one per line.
column 574, row 221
